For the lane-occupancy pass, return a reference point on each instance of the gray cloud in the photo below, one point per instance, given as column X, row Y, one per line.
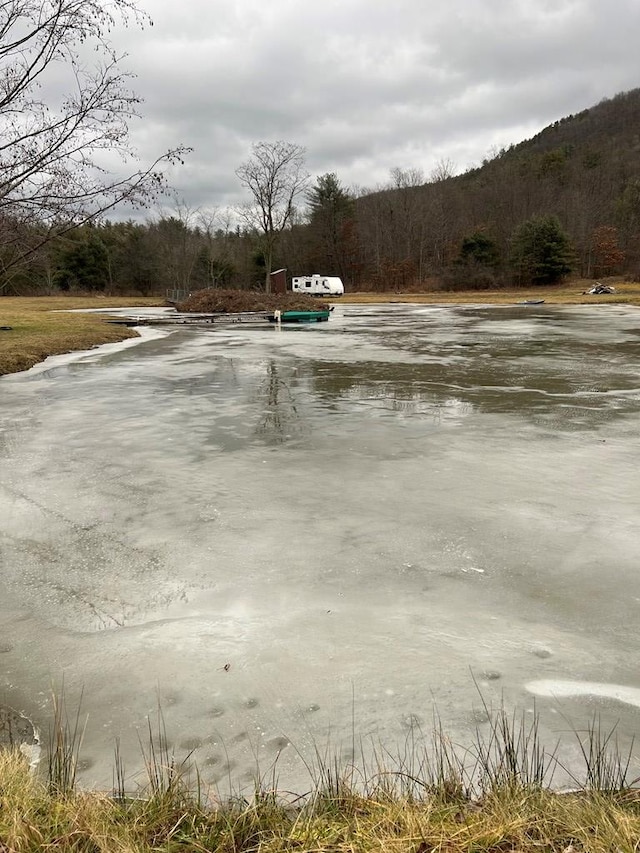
column 366, row 85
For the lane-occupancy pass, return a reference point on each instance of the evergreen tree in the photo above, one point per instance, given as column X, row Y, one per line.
column 479, row 250
column 329, row 198
column 477, row 264
column 331, row 210
column 83, row 265
column 541, row 252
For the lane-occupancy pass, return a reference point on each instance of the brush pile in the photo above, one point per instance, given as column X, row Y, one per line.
column 235, row 301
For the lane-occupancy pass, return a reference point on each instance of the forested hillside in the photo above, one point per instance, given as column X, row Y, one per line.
column 583, row 169
column 566, row 200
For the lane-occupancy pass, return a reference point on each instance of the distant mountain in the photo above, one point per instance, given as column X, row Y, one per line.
column 583, row 169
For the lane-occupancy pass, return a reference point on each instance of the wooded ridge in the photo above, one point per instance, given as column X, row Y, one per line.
column 565, row 201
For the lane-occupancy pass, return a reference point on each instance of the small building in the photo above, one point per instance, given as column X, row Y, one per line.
column 279, row 281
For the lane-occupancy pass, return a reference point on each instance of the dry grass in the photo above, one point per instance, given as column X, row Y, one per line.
column 427, row 804
column 568, row 293
column 37, row 331
column 511, row 817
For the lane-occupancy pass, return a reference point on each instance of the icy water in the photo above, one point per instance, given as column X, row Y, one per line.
column 308, row 538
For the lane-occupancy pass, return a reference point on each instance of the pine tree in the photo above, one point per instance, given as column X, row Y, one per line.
column 541, row 252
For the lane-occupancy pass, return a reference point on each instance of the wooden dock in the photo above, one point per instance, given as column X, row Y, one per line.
column 243, row 317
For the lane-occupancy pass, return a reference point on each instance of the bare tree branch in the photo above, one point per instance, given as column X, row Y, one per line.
column 53, row 175
column 275, row 176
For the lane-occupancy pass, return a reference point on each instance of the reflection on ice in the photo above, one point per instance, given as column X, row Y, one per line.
column 279, row 419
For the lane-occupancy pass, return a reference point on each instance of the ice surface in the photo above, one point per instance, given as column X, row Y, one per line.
column 310, row 538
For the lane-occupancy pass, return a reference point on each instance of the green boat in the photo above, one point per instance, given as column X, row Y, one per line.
column 301, row 316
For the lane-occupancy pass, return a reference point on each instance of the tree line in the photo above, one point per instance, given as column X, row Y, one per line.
column 398, row 238
column 532, row 214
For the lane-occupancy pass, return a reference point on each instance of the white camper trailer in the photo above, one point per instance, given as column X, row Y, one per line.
column 317, row 285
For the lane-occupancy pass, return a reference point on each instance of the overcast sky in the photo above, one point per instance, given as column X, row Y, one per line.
column 367, row 85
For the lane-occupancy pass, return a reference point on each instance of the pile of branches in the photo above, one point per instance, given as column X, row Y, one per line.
column 235, row 301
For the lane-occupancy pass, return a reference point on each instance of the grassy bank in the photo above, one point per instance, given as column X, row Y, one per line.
column 37, row 331
column 494, row 795
column 509, row 815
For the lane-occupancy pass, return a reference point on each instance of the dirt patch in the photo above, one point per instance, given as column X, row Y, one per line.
column 236, row 301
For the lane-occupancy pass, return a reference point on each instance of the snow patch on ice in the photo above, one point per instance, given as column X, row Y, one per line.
column 570, row 689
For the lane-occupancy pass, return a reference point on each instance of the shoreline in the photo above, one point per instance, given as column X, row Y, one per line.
column 36, row 328
column 40, row 327
column 432, row 801
column 568, row 293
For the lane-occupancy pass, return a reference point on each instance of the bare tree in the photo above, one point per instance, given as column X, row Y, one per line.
column 62, row 119
column 275, row 175
column 443, row 222
column 443, row 170
column 403, row 178
column 178, row 242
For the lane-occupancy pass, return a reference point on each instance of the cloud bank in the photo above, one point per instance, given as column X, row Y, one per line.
column 367, row 86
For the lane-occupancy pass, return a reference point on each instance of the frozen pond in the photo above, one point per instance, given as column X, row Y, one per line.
column 304, row 537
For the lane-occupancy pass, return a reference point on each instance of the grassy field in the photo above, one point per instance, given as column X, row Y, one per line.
column 41, row 326
column 569, row 293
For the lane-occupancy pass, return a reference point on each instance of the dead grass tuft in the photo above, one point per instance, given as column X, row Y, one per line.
column 510, row 818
